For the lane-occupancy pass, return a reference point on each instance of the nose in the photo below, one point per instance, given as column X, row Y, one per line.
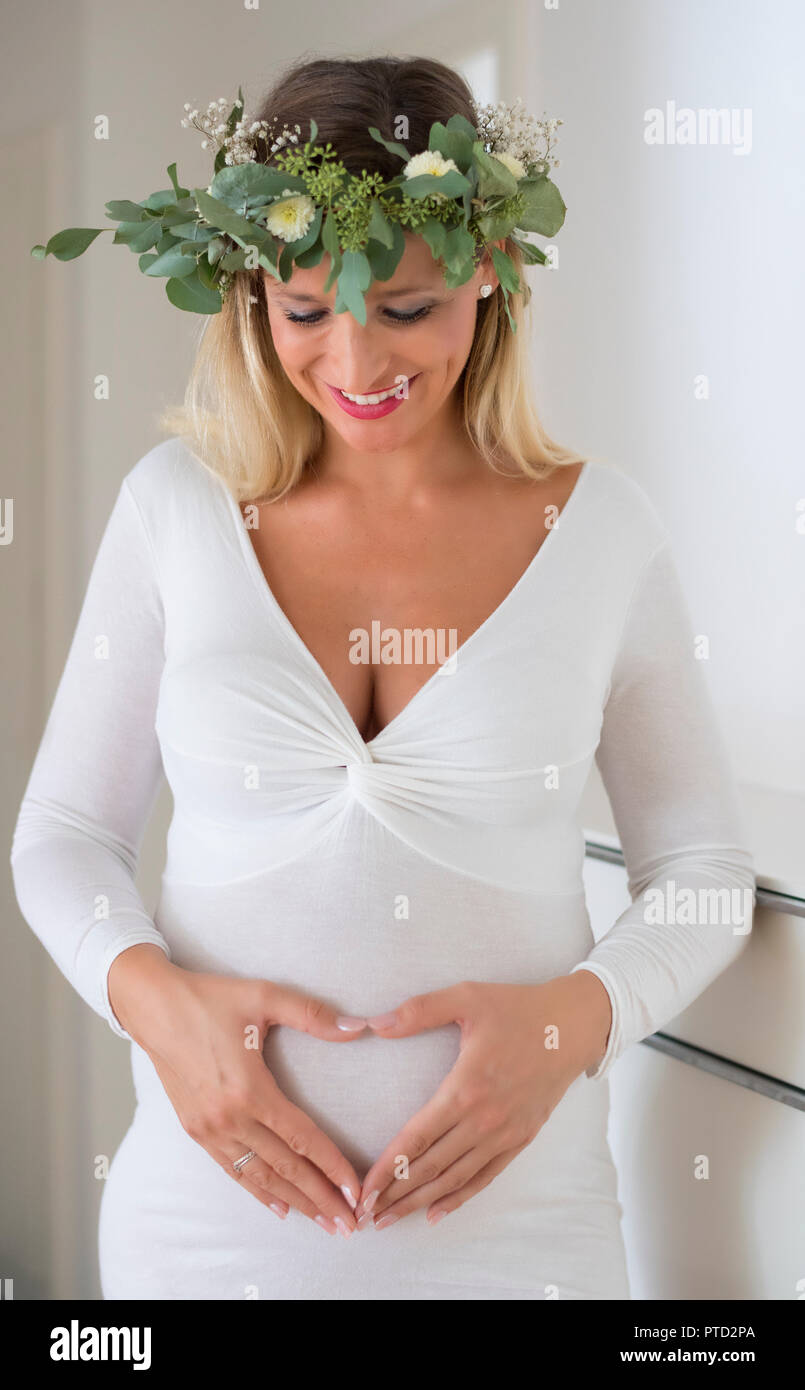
column 358, row 363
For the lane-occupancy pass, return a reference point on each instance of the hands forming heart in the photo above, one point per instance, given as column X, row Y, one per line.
column 521, row 1048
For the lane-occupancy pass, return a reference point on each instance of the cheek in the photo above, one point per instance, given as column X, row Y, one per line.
column 292, row 348
column 445, row 344
column 454, row 340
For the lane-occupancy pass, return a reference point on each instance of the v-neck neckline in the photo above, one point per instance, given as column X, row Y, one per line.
column 264, row 588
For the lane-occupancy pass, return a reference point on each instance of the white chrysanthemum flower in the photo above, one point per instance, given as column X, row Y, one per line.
column 289, row 220
column 512, row 163
column 428, row 162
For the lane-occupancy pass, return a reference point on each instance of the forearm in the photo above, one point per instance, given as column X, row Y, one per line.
column 134, row 978
column 656, row 962
column 590, row 1017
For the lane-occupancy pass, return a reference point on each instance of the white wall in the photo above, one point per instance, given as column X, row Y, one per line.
column 680, row 260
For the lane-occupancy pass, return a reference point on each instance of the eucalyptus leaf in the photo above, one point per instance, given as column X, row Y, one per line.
column 459, row 275
column 285, row 266
column 193, row 231
column 494, row 179
column 72, row 242
column 165, row 243
column 355, row 277
column 267, row 259
column 207, row 274
column 379, row 228
column 508, row 312
column 492, row 225
column 177, row 189
column 308, row 259
column 391, row 145
column 157, row 201
column 219, row 215
column 505, row 270
column 234, row 260
column 172, row 262
column 434, row 233
column 453, row 144
column 191, row 295
column 461, row 124
column 543, row 208
column 532, row 255
column 458, row 247
column 451, row 184
column 246, row 186
column 177, row 213
column 138, row 236
column 329, row 237
column 470, row 192
column 383, row 260
column 125, row 211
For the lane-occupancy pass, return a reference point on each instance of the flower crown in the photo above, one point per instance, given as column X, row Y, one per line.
column 472, row 185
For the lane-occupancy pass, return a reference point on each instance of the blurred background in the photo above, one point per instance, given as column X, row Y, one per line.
column 667, row 343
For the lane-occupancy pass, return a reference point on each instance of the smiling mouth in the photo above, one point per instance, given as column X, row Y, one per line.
column 374, row 397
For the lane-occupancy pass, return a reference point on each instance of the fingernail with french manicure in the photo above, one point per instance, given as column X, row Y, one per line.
column 343, row 1227
column 282, row 1214
column 350, row 1197
column 351, row 1025
column 326, row 1225
column 385, row 1220
column 382, row 1021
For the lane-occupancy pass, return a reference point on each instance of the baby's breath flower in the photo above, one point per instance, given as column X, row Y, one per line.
column 510, row 129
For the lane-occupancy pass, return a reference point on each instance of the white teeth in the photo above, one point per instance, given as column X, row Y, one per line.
column 370, row 400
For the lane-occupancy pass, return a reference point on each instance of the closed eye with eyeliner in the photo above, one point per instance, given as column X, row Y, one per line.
column 309, row 320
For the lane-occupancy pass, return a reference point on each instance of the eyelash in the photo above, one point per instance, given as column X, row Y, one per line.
column 312, row 319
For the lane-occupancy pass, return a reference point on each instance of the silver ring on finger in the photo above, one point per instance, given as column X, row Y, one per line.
column 240, row 1163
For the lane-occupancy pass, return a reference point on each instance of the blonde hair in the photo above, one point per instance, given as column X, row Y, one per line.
column 241, row 416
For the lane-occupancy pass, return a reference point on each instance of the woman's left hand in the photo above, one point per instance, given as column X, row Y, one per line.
column 521, row 1048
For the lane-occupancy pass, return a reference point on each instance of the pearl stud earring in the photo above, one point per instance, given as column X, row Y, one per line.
column 486, row 290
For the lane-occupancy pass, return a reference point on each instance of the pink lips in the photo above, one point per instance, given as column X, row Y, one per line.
column 368, row 412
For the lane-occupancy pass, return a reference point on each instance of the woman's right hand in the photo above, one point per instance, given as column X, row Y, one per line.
column 204, row 1034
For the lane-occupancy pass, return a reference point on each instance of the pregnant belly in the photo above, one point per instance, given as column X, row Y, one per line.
column 364, row 927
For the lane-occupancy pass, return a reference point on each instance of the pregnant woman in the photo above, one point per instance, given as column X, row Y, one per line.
column 373, row 626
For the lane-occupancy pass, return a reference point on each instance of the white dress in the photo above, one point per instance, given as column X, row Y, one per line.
column 447, row 848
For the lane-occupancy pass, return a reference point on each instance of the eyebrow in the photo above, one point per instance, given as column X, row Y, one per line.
column 286, row 293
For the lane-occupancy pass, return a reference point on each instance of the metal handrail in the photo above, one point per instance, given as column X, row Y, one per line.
column 769, row 1086
column 764, row 897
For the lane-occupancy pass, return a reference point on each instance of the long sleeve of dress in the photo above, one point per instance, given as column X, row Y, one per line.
column 97, row 771
column 674, row 800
